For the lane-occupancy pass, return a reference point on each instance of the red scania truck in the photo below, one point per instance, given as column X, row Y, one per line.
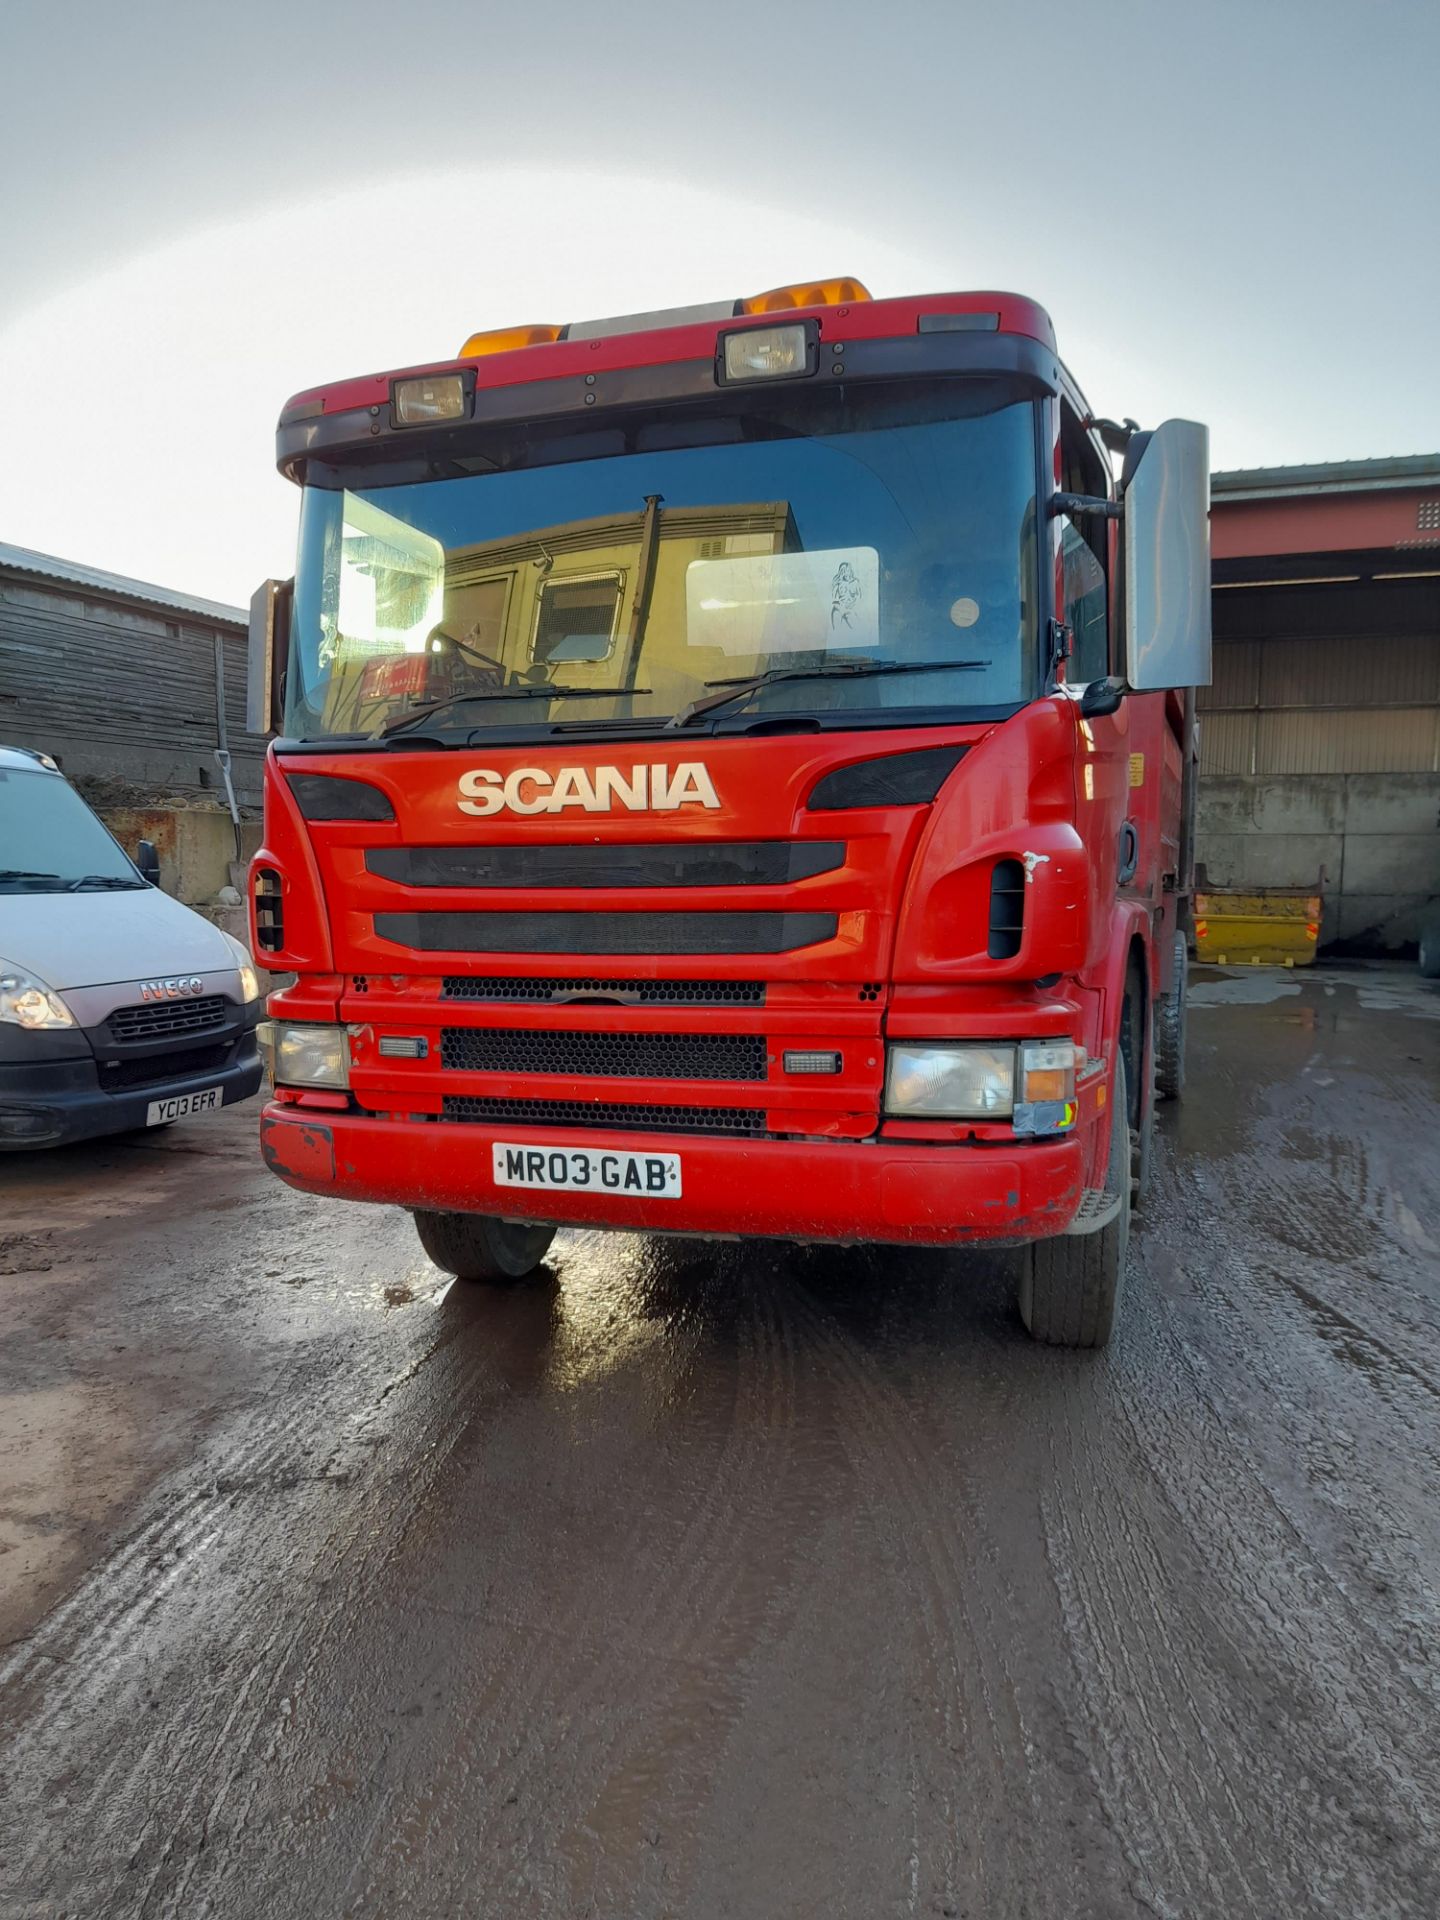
column 734, row 776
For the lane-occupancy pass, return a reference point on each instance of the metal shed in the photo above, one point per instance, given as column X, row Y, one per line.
column 122, row 681
column 1320, row 736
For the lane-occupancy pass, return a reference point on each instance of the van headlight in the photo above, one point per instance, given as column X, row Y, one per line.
column 297, row 1056
column 245, row 967
column 28, row 1002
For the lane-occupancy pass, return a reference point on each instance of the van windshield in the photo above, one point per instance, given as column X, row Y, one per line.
column 50, row 841
column 850, row 550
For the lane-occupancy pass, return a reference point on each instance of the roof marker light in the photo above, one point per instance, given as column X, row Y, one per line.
column 806, row 293
column 507, row 339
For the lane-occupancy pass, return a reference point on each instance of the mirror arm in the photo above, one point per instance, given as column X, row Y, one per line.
column 1074, row 504
column 1102, row 697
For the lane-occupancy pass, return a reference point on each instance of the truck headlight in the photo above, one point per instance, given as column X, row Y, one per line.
column 305, row 1056
column 28, row 1002
column 245, row 967
column 963, row 1082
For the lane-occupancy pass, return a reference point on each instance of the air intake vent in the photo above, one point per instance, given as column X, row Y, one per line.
column 679, row 863
column 513, row 991
column 594, row 932
column 626, row 1056
column 589, row 1113
column 269, row 911
column 1007, row 909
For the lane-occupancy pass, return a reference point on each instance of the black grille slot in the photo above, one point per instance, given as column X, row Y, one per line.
column 630, row 1056
column 269, row 911
column 1007, row 909
column 586, row 1113
column 522, row 990
column 114, row 1075
column 161, row 1020
column 647, row 933
column 677, row 863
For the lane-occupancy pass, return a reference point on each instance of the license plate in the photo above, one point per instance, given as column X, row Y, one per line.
column 652, row 1176
column 179, row 1104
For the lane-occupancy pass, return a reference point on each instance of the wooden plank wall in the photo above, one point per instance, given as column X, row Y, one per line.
column 121, row 690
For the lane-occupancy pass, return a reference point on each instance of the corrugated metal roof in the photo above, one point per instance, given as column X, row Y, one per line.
column 26, row 560
column 1329, row 476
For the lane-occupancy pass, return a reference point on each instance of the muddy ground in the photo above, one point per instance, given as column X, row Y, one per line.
column 739, row 1581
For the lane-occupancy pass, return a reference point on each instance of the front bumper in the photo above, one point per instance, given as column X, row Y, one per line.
column 894, row 1192
column 53, row 1102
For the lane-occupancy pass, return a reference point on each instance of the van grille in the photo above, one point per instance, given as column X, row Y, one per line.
column 516, row 989
column 588, row 1113
column 114, row 1075
column 157, row 1020
column 631, row 1056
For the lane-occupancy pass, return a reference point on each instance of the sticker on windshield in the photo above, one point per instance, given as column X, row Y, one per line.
column 759, row 604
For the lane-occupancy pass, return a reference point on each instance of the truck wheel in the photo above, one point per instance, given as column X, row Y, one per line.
column 472, row 1246
column 1430, row 945
column 1170, row 1029
column 1071, row 1286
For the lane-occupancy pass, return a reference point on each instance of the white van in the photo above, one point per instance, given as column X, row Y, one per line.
column 119, row 1008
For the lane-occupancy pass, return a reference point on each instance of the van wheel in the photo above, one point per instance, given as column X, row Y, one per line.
column 472, row 1246
column 1170, row 1028
column 1071, row 1286
column 1430, row 945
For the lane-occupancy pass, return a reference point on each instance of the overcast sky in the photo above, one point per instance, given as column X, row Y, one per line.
column 1229, row 209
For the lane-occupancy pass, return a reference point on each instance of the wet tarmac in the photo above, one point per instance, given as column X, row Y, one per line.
column 741, row 1580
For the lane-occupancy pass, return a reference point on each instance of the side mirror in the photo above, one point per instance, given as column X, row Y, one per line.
column 1167, row 560
column 148, row 861
column 1102, row 697
column 269, row 644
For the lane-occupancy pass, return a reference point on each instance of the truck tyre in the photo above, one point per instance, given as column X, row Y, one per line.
column 1430, row 944
column 473, row 1246
column 1170, row 1028
column 1071, row 1286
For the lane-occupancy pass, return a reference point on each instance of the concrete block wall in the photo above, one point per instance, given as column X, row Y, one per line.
column 196, row 846
column 1376, row 835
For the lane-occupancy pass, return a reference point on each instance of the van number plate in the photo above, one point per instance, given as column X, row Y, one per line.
column 654, row 1176
column 176, row 1108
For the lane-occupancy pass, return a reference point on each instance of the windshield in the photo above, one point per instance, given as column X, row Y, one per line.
column 861, row 552
column 50, row 841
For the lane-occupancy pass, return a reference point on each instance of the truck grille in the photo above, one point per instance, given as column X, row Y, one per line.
column 628, row 933
column 631, row 1056
column 515, row 990
column 160, row 1020
column 680, row 863
column 587, row 1113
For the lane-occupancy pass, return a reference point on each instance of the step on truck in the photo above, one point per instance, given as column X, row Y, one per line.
column 734, row 775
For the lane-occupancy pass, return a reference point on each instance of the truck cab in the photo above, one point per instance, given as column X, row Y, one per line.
column 731, row 777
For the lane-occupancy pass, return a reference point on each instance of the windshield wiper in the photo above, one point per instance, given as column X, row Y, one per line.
column 113, row 880
column 546, row 692
column 27, row 873
column 850, row 669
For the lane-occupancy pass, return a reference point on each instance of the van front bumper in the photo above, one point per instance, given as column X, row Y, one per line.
column 888, row 1192
column 50, row 1102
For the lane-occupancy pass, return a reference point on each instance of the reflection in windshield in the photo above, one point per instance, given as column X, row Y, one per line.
column 899, row 530
column 50, row 841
